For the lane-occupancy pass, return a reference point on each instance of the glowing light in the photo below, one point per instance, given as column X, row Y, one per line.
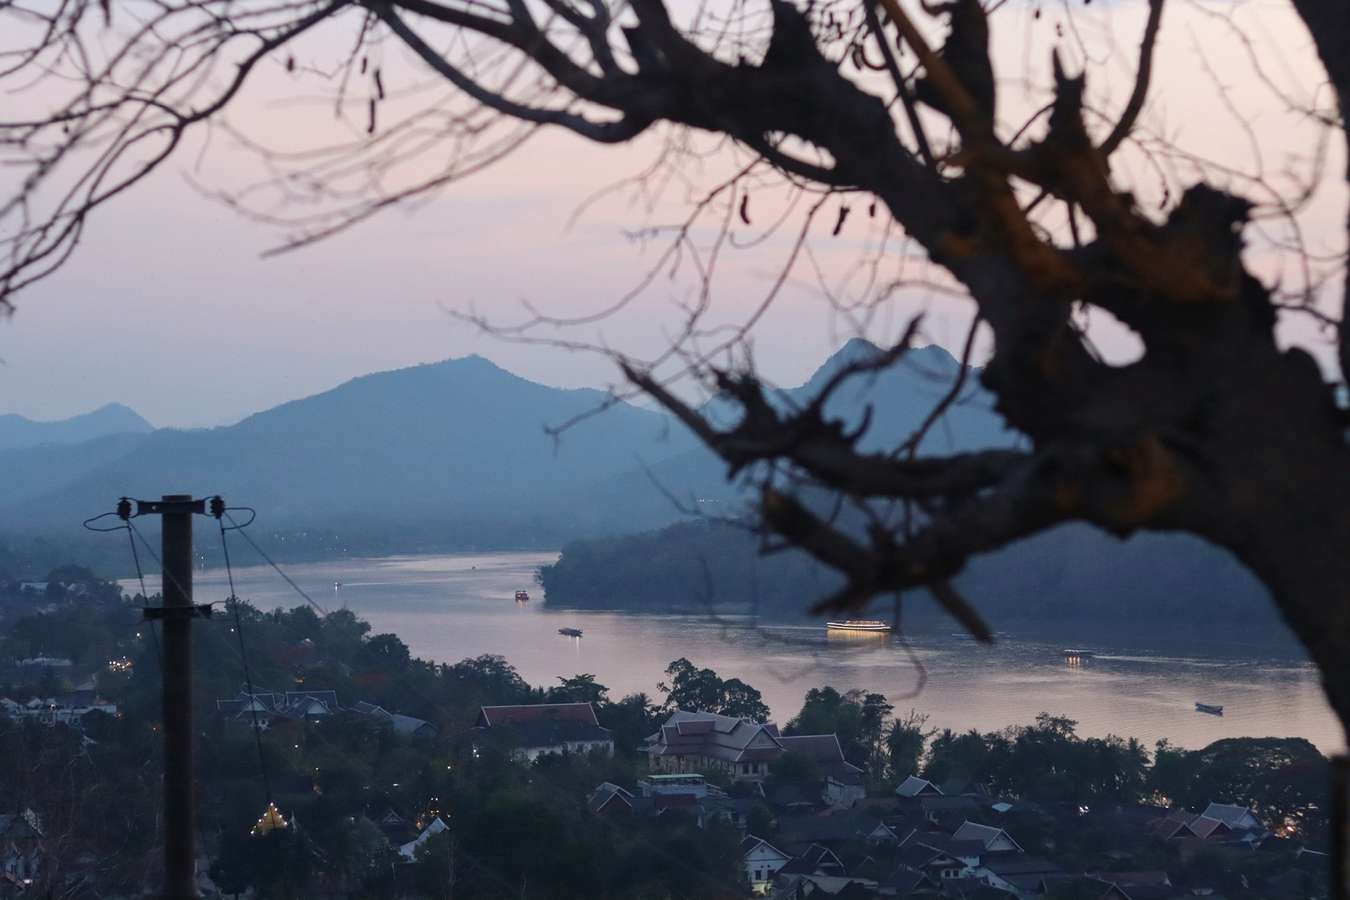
column 270, row 820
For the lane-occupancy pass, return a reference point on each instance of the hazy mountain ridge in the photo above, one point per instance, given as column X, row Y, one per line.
column 18, row 432
column 441, row 440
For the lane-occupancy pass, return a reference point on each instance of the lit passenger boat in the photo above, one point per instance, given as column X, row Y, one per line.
column 859, row 625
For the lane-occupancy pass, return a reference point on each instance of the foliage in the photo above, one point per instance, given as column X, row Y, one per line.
column 906, row 739
column 857, row 718
column 692, row 688
column 1283, row 780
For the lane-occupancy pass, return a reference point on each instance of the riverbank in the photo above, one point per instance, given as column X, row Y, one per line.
column 1143, row 684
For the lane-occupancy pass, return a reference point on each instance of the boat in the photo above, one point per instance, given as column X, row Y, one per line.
column 858, row 625
column 570, row 632
column 522, row 596
column 1209, row 708
column 1071, row 655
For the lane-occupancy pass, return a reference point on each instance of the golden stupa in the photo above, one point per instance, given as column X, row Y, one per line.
column 269, row 820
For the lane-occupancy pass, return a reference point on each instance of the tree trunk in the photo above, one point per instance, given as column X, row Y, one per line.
column 1296, row 538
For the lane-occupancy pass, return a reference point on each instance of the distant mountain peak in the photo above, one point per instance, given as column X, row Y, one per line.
column 112, row 418
column 928, row 358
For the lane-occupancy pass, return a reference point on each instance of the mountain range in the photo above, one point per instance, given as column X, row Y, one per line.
column 456, row 455
column 461, row 442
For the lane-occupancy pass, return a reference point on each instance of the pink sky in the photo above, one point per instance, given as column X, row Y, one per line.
column 168, row 307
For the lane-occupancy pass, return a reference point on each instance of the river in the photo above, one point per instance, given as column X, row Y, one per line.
column 1141, row 685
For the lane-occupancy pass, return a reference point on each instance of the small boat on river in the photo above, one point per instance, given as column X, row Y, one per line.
column 1208, row 708
column 570, row 632
column 859, row 625
column 522, row 596
column 1076, row 656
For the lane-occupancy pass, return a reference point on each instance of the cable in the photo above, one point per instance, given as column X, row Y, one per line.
column 233, row 601
column 235, row 526
column 150, row 623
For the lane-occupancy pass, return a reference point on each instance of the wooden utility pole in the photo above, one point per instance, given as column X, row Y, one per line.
column 180, row 802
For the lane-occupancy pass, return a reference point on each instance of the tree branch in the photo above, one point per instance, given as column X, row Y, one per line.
column 1141, row 82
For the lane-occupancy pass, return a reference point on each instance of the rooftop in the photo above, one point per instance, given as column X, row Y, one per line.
column 491, row 716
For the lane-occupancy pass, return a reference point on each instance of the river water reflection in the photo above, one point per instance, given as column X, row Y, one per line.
column 450, row 607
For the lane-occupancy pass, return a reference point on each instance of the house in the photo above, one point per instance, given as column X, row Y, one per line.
column 836, row 887
column 409, row 850
column 948, row 812
column 1243, row 825
column 407, row 726
column 973, row 889
column 793, row 796
column 708, row 742
column 798, row 833
column 993, row 839
column 268, row 706
column 843, row 780
column 1085, row 887
column 703, row 742
column 733, row 811
column 1180, row 824
column 1141, row 885
column 65, row 709
column 963, row 787
column 906, row 881
column 696, row 785
column 816, row 860
column 914, row 786
column 609, row 798
column 762, row 861
column 1016, row 872
column 396, row 829
column 942, row 856
column 21, row 847
column 540, row 729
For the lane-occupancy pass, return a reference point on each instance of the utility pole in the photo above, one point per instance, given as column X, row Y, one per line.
column 180, row 802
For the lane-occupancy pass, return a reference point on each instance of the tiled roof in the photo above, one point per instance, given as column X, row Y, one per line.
column 549, row 732
column 823, row 748
column 950, row 846
column 904, row 879
column 985, row 834
column 717, row 737
column 491, row 716
column 1228, row 814
column 1016, row 864
column 913, row 786
column 838, row 827
column 751, row 843
column 291, row 703
column 935, row 804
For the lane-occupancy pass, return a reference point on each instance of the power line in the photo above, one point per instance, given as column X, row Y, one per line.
column 235, row 526
column 218, row 510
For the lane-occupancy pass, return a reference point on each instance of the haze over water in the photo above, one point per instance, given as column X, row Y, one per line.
column 1142, row 685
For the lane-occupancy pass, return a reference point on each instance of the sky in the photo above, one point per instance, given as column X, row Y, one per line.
column 170, row 308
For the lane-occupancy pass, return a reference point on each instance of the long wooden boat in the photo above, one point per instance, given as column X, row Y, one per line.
column 859, row 625
column 1209, row 708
